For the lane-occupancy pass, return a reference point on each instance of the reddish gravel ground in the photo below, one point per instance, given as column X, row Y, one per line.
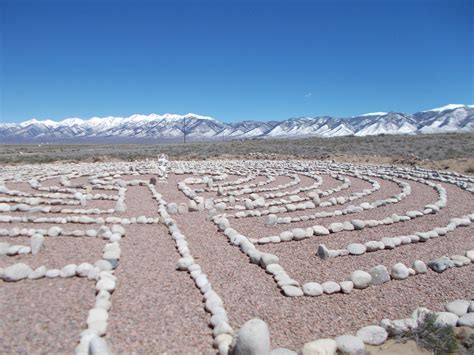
column 44, row 316
column 56, row 252
column 249, row 292
column 155, row 308
column 158, row 309
column 19, row 186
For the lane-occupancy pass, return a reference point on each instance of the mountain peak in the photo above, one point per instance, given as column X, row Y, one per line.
column 448, row 107
column 169, row 127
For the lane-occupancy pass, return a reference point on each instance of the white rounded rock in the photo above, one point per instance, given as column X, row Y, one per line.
column 361, row 279
column 320, row 230
column 98, row 346
column 346, row 286
column 299, row 233
column 271, row 220
column 54, row 231
column 399, row 272
column 53, row 273
column 372, row 335
column 105, row 284
column 336, row 227
column 83, row 269
column 379, row 275
column 458, row 307
column 358, row 224
column 292, row 291
column 286, row 236
column 253, row 338
column 420, row 267
column 312, row 289
column 330, row 287
column 36, row 243
column 356, row 248
column 38, row 273
column 184, row 263
column 267, row 259
column 446, row 319
column 350, row 344
column 467, row 320
column 16, row 272
column 68, row 271
column 320, row 347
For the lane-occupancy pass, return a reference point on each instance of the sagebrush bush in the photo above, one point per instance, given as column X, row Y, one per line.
column 434, row 337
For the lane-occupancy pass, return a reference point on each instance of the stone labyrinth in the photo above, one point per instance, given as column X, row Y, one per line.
column 109, row 257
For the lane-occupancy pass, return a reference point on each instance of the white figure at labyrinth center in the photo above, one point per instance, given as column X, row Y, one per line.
column 163, row 166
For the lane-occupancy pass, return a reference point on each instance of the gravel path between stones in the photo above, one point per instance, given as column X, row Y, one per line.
column 155, row 308
column 250, row 226
column 48, row 322
column 301, row 263
column 248, row 292
column 56, row 252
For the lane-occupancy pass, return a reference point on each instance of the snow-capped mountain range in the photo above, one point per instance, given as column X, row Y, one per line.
column 169, row 127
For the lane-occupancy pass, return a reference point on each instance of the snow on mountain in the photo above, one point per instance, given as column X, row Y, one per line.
column 373, row 114
column 456, row 118
column 390, row 123
column 448, row 107
column 449, row 118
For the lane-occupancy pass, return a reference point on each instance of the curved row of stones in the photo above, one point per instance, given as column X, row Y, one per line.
column 357, row 223
column 254, row 338
column 216, row 172
column 359, row 278
column 354, row 224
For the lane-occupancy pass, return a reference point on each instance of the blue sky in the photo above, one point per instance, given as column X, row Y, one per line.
column 233, row 60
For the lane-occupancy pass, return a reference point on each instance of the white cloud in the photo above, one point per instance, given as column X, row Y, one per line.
column 308, row 95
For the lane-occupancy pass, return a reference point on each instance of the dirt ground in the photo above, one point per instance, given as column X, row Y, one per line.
column 451, row 151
